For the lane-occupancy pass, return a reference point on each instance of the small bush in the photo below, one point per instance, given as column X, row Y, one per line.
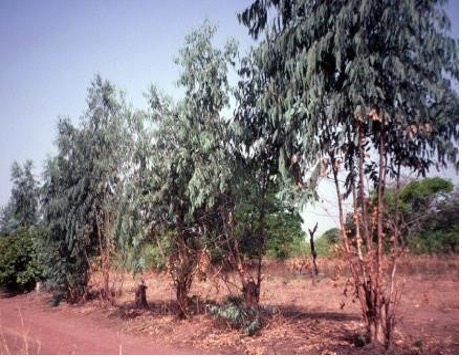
column 234, row 313
column 19, row 264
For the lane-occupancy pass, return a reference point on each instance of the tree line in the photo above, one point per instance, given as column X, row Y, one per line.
column 328, row 90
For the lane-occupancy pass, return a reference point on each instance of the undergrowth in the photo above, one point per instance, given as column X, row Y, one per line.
column 237, row 315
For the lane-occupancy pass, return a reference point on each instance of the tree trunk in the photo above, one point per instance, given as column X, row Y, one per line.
column 140, row 296
column 182, row 270
column 313, row 250
column 376, row 331
column 182, row 299
column 251, row 293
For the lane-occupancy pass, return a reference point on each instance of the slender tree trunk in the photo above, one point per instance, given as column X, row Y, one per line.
column 362, row 191
column 249, row 287
column 182, row 271
column 262, row 242
column 313, row 249
column 378, row 333
column 104, row 255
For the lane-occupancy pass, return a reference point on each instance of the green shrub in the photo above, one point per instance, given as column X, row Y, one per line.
column 234, row 313
column 324, row 248
column 19, row 263
column 435, row 242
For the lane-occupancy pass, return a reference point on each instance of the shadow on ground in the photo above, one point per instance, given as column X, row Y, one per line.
column 298, row 313
column 8, row 293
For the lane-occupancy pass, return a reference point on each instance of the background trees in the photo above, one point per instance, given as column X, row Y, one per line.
column 21, row 232
column 427, row 213
column 23, row 208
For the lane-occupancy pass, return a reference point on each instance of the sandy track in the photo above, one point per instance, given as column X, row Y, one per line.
column 28, row 328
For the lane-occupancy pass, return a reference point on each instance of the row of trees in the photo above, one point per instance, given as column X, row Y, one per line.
column 328, row 90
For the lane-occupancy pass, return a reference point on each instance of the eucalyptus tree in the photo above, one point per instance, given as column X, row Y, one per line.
column 83, row 190
column 190, row 161
column 347, row 82
column 138, row 210
column 22, row 209
column 66, row 252
column 256, row 153
column 105, row 148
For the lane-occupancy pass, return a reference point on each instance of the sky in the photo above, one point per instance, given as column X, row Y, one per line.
column 50, row 50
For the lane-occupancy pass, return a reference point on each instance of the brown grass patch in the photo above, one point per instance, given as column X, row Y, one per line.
column 315, row 315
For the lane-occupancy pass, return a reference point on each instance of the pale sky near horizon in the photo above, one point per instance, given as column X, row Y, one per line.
column 50, row 51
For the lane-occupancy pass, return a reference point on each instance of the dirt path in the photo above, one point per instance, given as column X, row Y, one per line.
column 30, row 328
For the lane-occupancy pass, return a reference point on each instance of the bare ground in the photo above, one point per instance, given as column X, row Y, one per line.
column 312, row 316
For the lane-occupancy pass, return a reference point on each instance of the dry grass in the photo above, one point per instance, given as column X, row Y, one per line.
column 314, row 315
column 18, row 343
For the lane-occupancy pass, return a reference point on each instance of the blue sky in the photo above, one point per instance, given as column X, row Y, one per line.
column 50, row 51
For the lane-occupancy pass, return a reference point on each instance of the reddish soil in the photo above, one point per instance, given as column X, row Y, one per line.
column 28, row 325
column 311, row 316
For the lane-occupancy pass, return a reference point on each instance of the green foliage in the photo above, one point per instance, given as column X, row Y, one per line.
column 283, row 227
column 65, row 263
column 419, row 195
column 423, row 212
column 8, row 223
column 20, row 266
column 234, row 313
column 22, row 209
column 154, row 256
column 189, row 164
column 438, row 228
column 326, row 243
column 82, row 191
column 427, row 215
column 331, row 236
column 315, row 79
column 435, row 241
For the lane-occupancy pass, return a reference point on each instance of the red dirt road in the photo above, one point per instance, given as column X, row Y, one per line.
column 28, row 328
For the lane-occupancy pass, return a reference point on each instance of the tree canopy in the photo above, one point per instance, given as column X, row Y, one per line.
column 322, row 75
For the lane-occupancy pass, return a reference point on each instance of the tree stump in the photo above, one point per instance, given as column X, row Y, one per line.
column 140, row 296
column 251, row 293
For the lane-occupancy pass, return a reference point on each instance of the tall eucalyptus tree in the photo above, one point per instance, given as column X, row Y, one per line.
column 83, row 190
column 191, row 157
column 105, row 150
column 347, row 80
column 66, row 252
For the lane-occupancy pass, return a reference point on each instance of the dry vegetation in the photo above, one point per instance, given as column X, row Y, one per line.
column 309, row 315
column 13, row 343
